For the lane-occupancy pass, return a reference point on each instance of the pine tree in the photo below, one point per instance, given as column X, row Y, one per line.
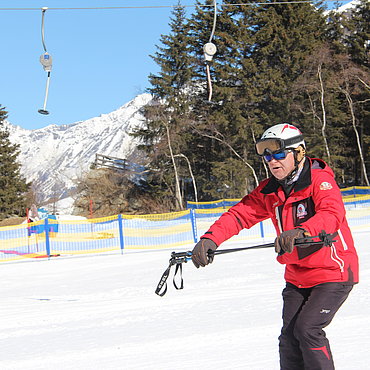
column 173, row 59
column 12, row 184
column 166, row 118
column 284, row 34
column 319, row 106
column 263, row 52
column 339, row 96
column 358, row 41
column 358, row 33
column 219, row 122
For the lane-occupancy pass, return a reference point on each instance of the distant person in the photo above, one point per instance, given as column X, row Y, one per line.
column 302, row 199
column 33, row 215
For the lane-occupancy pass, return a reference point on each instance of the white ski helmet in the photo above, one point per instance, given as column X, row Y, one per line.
column 280, row 137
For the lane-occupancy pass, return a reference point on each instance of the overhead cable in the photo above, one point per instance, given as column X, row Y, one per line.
column 169, row 6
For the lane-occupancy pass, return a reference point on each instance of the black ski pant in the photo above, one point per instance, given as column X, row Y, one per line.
column 306, row 311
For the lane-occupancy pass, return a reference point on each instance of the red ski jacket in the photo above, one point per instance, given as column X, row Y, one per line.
column 315, row 204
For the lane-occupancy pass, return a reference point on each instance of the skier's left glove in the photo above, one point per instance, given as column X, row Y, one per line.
column 200, row 255
column 285, row 241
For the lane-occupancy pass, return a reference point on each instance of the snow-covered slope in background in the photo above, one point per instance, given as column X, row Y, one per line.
column 54, row 156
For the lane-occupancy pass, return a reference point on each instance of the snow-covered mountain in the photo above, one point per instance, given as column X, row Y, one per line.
column 345, row 9
column 54, row 156
column 348, row 6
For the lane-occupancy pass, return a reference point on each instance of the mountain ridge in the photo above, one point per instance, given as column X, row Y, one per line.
column 53, row 157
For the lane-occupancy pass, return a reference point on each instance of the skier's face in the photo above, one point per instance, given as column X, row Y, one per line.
column 281, row 168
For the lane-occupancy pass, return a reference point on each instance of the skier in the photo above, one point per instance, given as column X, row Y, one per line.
column 302, row 199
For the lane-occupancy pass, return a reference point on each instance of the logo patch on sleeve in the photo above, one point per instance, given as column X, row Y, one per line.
column 326, row 186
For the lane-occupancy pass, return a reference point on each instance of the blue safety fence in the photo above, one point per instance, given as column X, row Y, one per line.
column 52, row 237
column 356, row 197
column 355, row 191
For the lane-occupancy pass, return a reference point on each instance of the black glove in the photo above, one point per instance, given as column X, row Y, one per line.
column 200, row 252
column 285, row 241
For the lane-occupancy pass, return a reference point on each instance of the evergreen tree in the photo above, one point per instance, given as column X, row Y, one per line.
column 335, row 31
column 164, row 133
column 12, row 185
column 261, row 52
column 319, row 107
column 284, row 34
column 220, row 123
column 358, row 33
column 334, row 89
column 358, row 41
column 173, row 59
column 265, row 71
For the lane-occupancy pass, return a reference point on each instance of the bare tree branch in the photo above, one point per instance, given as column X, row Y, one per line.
column 221, row 140
column 178, row 190
column 191, row 174
column 364, row 83
column 350, row 105
column 322, row 100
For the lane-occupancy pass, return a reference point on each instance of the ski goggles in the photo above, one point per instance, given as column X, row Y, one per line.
column 274, row 145
column 282, row 154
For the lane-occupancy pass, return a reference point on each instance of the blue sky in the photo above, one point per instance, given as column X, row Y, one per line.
column 100, row 57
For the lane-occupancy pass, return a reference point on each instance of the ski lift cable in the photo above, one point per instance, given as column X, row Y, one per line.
column 170, row 6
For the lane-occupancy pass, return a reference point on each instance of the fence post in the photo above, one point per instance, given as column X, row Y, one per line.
column 261, row 230
column 120, row 228
column 47, row 239
column 193, row 224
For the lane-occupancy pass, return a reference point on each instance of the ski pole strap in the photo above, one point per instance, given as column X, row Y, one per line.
column 176, row 259
column 163, row 282
column 177, row 269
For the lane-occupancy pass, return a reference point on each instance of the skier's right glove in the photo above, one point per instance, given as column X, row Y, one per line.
column 200, row 255
column 285, row 241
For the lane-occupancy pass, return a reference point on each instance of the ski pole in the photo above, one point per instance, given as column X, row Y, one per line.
column 178, row 258
column 325, row 240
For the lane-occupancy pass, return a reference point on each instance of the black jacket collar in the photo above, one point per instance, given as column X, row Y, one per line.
column 304, row 180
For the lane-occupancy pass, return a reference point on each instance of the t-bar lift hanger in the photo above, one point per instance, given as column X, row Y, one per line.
column 210, row 50
column 46, row 61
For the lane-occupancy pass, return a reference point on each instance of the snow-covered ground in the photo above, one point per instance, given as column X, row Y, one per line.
column 100, row 312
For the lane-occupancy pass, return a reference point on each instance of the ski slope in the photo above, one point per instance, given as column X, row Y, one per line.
column 100, row 312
